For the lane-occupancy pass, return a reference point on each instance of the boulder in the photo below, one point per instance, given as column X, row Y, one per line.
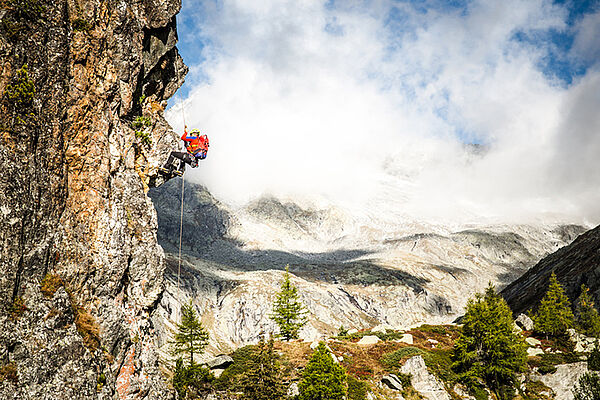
column 293, row 390
column 352, row 331
column 392, row 382
column 369, row 339
column 534, row 351
column 533, row 342
column 462, row 392
column 381, row 329
column 220, row 362
column 564, row 379
column 217, row 372
column 425, row 383
column 524, row 322
column 406, row 338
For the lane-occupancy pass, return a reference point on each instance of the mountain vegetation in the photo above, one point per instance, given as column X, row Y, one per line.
column 488, row 352
column 554, row 315
column 288, row 311
column 189, row 378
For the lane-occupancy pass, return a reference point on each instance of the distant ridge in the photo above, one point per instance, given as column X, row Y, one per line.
column 574, row 264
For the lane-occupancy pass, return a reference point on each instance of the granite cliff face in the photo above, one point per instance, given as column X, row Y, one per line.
column 574, row 265
column 84, row 84
column 350, row 272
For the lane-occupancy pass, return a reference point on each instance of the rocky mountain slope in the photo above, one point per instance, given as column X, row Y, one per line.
column 83, row 85
column 574, row 265
column 351, row 272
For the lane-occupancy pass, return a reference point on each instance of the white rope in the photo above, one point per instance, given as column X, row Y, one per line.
column 182, row 189
column 180, row 230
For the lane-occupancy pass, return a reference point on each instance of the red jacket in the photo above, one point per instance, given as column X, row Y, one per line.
column 195, row 143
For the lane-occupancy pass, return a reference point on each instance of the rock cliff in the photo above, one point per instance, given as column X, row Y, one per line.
column 84, row 84
column 574, row 265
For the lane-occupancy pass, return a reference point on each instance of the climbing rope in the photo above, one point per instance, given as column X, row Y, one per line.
column 180, row 230
column 182, row 189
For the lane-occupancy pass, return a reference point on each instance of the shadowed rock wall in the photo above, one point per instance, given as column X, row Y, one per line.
column 574, row 265
column 84, row 84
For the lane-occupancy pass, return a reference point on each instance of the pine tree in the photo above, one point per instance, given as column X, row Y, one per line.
column 190, row 337
column 488, row 351
column 322, row 379
column 554, row 315
column 588, row 319
column 263, row 380
column 288, row 311
column 588, row 387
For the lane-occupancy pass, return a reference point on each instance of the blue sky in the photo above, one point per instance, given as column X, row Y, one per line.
column 390, row 91
column 558, row 62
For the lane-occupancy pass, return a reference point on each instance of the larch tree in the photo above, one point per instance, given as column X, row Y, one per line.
column 554, row 315
column 488, row 351
column 288, row 311
column 191, row 338
column 323, row 379
column 587, row 316
column 263, row 380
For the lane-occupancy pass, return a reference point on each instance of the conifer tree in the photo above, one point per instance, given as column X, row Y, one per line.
column 488, row 351
column 263, row 380
column 554, row 315
column 288, row 311
column 588, row 387
column 322, row 379
column 191, row 338
column 588, row 319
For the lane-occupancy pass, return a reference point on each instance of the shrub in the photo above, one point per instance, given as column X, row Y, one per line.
column 88, row 328
column 342, row 333
column 141, row 122
column 242, row 362
column 9, row 372
column 190, row 381
column 50, row 284
column 357, row 389
column 80, row 25
column 21, row 91
column 588, row 387
column 140, row 125
column 593, row 360
column 144, row 137
column 17, row 308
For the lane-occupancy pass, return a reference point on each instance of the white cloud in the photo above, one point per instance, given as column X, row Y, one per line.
column 302, row 98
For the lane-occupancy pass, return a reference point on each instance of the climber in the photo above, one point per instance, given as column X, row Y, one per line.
column 196, row 146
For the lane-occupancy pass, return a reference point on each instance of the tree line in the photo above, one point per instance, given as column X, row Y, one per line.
column 488, row 355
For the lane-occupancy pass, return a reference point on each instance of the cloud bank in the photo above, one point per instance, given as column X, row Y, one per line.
column 373, row 105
